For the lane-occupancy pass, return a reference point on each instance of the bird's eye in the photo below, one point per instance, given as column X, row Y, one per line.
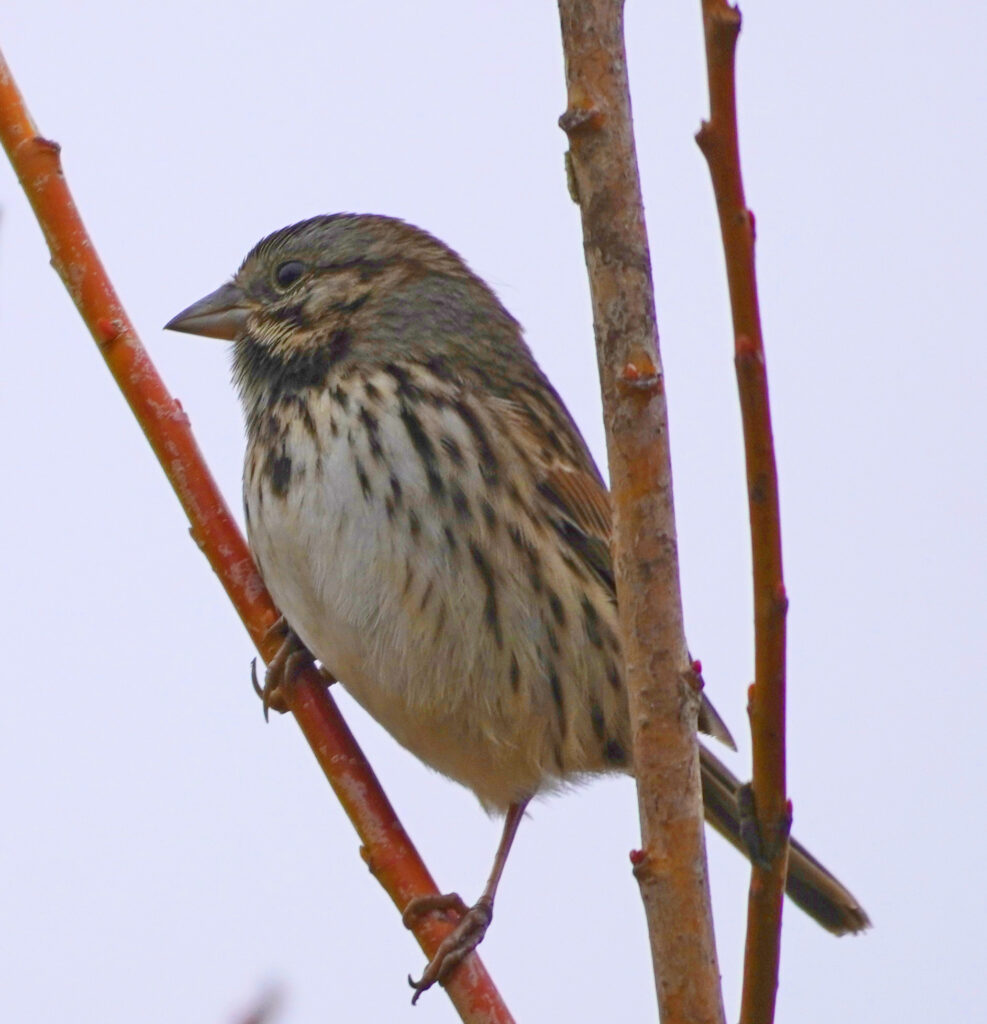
column 288, row 273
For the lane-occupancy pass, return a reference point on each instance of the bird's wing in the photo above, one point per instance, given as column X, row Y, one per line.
column 578, row 505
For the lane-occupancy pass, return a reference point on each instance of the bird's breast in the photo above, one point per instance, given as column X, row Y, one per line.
column 390, row 532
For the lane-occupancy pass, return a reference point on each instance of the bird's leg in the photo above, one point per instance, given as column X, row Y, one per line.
column 473, row 921
column 292, row 656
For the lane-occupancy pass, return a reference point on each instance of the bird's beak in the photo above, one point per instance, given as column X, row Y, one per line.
column 221, row 314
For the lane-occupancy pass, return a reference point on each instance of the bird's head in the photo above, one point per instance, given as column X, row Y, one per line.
column 340, row 287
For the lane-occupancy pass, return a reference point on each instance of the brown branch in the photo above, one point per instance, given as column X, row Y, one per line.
column 603, row 176
column 386, row 847
column 718, row 140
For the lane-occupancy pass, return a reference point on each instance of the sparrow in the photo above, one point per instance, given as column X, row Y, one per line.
column 430, row 522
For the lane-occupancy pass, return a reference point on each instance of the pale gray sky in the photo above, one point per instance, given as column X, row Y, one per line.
column 164, row 854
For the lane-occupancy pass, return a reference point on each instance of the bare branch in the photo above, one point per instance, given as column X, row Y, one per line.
column 718, row 140
column 664, row 700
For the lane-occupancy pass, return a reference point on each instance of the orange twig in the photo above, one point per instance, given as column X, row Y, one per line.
column 718, row 140
column 386, row 847
column 671, row 868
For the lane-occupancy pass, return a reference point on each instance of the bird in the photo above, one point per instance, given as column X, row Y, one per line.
column 432, row 526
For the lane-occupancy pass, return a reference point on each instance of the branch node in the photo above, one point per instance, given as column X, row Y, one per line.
column 577, row 119
column 645, row 377
column 744, row 349
column 642, row 867
column 43, row 148
column 109, row 330
column 704, row 138
column 49, row 145
column 726, row 21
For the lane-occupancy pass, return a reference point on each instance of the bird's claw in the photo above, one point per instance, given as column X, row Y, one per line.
column 458, row 944
column 292, row 656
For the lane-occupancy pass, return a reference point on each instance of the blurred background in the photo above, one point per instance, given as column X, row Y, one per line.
column 166, row 856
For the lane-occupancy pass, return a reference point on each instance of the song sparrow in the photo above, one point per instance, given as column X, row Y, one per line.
column 431, row 524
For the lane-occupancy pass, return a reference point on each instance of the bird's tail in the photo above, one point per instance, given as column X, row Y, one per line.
column 810, row 886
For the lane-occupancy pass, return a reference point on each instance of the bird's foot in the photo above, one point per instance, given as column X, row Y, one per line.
column 458, row 944
column 292, row 656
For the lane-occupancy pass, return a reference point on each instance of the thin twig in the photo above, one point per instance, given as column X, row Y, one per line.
column 718, row 140
column 386, row 847
column 603, row 177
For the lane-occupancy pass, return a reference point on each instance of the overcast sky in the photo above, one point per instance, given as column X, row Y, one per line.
column 164, row 855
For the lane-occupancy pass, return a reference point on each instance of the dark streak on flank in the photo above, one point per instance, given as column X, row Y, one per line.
column 490, row 614
column 423, row 445
column 425, row 596
column 553, row 639
column 488, row 513
column 596, row 717
column 451, row 447
column 396, row 490
column 460, row 502
column 553, row 682
column 280, row 470
column 369, row 421
column 361, row 475
column 414, row 524
column 592, row 621
column 371, row 390
column 555, row 603
column 613, row 676
column 450, row 538
column 515, row 673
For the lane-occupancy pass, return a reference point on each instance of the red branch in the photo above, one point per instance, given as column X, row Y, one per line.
column 386, row 847
column 718, row 140
column 671, row 869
